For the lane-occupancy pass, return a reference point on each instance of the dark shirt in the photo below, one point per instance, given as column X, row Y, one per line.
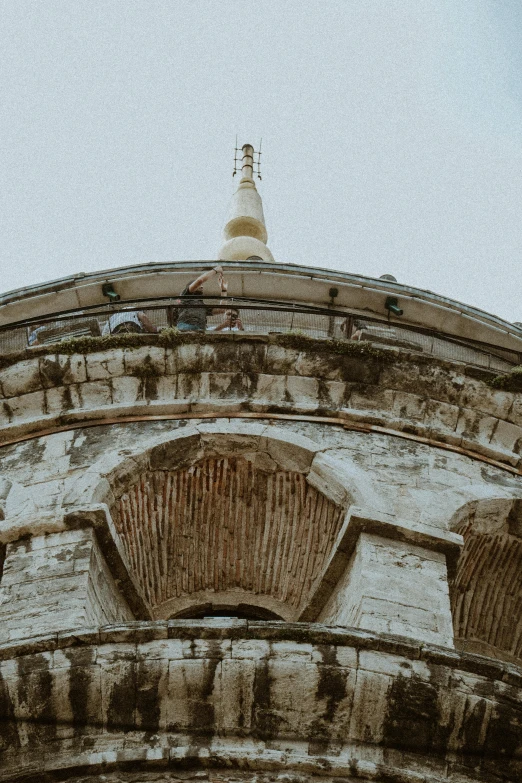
column 193, row 316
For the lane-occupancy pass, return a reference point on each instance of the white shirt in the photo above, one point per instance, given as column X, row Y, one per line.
column 125, row 317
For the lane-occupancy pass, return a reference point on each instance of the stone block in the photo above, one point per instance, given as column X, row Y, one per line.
column 346, row 657
column 193, row 685
column 314, row 365
column 178, row 452
column 95, row 394
column 234, row 702
column 125, row 390
column 144, row 361
column 21, row 378
column 151, row 695
column 203, row 648
column 370, row 706
column 288, row 697
column 441, row 416
column 515, row 413
column 292, row 651
column 194, row 358
column 25, row 407
column 303, row 393
column 223, row 357
column 171, row 361
column 251, row 358
column 228, row 385
column 192, row 386
column 256, row 649
column 391, row 665
column 479, row 397
column 167, row 388
column 411, row 407
column 507, row 437
column 295, row 453
column 372, row 399
column 474, row 426
column 161, row 649
column 119, row 693
column 103, row 365
column 280, row 360
column 61, row 399
column 109, row 653
column 269, row 390
column 333, row 479
column 86, row 488
column 231, row 437
column 332, row 394
column 60, row 370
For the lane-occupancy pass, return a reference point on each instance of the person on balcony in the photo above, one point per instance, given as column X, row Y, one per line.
column 194, row 318
column 129, row 322
column 231, row 323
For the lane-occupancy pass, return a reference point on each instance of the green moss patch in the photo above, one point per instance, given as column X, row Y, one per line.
column 511, row 381
column 301, row 342
column 170, row 338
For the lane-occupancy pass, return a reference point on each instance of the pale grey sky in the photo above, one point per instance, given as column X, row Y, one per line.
column 392, row 136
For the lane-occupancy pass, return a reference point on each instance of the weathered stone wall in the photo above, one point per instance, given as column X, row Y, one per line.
column 230, row 373
column 406, row 479
column 290, row 500
column 413, row 492
column 269, row 696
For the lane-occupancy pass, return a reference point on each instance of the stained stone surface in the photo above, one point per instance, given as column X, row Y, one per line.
column 264, row 695
column 390, row 561
column 411, row 485
column 439, row 400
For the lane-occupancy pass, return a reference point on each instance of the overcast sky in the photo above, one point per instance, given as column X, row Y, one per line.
column 392, row 136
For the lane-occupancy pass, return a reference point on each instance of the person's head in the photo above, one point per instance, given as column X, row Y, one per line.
column 232, row 313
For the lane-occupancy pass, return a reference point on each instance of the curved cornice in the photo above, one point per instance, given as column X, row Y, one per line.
column 261, row 279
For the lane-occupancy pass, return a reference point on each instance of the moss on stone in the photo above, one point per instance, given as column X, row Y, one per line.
column 511, row 381
column 302, row 342
column 170, row 338
column 146, row 370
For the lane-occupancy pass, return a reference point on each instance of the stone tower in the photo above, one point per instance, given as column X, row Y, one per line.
column 290, row 552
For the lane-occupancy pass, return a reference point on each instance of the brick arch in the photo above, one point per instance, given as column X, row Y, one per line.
column 486, row 592
column 228, row 516
column 225, row 526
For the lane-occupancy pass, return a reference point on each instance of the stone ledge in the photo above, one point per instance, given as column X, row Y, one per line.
column 239, row 762
column 272, row 631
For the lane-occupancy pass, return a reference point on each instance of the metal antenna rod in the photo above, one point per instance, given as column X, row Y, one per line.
column 236, row 159
column 255, row 156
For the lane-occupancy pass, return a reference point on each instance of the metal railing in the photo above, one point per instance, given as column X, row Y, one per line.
column 257, row 317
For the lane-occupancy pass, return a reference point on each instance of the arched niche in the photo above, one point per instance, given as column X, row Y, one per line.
column 486, row 593
column 245, row 515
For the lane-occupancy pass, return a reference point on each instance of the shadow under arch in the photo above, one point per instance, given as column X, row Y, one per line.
column 486, row 593
column 226, row 514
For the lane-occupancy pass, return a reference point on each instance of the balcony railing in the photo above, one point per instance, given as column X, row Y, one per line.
column 259, row 317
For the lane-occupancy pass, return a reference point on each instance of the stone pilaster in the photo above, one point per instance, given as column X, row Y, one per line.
column 57, row 582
